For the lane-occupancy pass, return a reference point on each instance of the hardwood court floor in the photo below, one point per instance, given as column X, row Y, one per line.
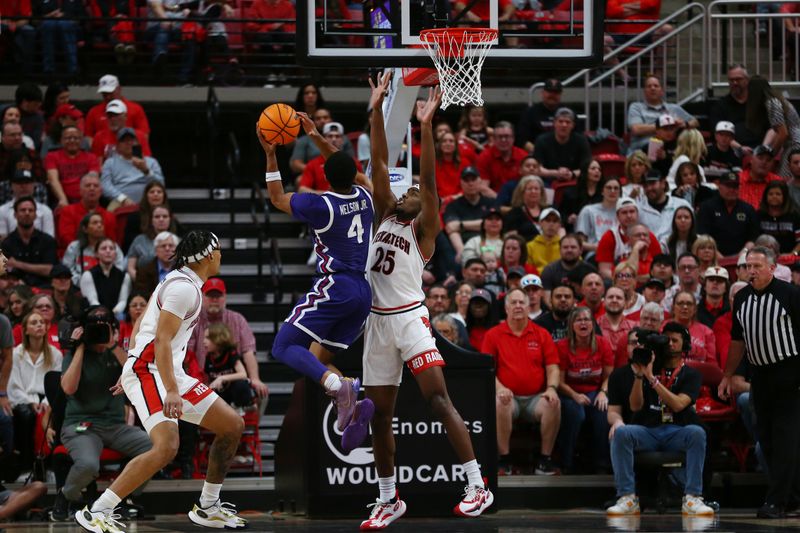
column 501, row 522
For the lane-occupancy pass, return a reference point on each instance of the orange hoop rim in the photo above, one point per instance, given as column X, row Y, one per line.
column 466, row 35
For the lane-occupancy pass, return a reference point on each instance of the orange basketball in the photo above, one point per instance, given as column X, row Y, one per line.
column 279, row 124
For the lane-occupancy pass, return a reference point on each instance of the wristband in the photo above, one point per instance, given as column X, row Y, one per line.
column 272, row 176
column 604, row 391
column 654, row 383
column 553, row 387
column 638, row 376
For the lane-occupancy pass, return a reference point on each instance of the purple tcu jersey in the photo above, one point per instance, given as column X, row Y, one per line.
column 342, row 225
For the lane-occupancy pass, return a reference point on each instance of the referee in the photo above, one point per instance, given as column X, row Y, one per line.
column 766, row 321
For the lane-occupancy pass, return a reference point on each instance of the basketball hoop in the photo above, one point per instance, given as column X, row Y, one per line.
column 458, row 54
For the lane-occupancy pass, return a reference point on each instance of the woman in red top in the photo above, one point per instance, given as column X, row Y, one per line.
column 704, row 345
column 586, row 361
column 44, row 305
column 448, row 165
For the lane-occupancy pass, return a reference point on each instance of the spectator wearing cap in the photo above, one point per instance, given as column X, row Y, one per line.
column 563, row 152
column 22, row 185
column 657, row 208
column 313, row 177
column 59, row 19
column 527, row 203
column 127, row 171
column 688, row 279
column 642, row 116
column 29, row 250
column 545, row 248
column 110, row 89
column 732, row 222
column 732, row 107
column 481, row 316
column 555, row 273
column 104, row 142
column 778, row 217
column 215, row 311
column 66, row 166
column 595, row 219
column 65, row 115
column 539, row 118
column 304, row 148
column 527, row 378
column 464, row 216
column 69, row 218
column 661, row 146
column 532, row 285
column 619, row 244
column 724, row 154
column 69, row 301
column 753, row 180
column 714, row 299
column 500, row 161
column 150, row 274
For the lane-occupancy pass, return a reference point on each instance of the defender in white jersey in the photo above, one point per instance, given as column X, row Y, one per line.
column 156, row 384
column 398, row 330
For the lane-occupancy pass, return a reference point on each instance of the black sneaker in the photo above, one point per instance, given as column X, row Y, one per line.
column 60, row 511
column 546, row 467
column 771, row 511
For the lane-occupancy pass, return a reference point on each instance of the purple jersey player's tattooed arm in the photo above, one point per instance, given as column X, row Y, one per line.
column 384, row 199
column 428, row 220
column 279, row 198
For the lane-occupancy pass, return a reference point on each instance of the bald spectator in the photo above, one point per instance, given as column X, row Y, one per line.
column 642, row 116
column 215, row 311
column 313, row 177
column 304, row 148
column 539, row 117
column 614, row 324
column 29, row 251
column 66, row 166
column 110, row 89
column 629, row 240
column 593, row 291
column 500, row 161
column 563, row 152
column 22, row 185
column 69, row 218
column 731, row 107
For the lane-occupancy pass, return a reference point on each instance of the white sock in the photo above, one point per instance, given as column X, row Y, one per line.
column 333, row 382
column 473, row 473
column 210, row 494
column 107, row 502
column 387, row 487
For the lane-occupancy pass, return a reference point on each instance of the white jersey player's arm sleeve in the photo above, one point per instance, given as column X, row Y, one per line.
column 178, row 297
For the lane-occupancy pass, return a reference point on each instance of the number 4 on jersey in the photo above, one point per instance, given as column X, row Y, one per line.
column 356, row 230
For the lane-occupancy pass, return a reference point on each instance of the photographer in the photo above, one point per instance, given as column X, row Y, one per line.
column 660, row 391
column 94, row 417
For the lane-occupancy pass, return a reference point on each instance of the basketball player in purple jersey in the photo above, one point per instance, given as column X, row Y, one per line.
column 398, row 330
column 331, row 315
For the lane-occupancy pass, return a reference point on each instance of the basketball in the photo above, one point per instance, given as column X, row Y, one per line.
column 279, row 124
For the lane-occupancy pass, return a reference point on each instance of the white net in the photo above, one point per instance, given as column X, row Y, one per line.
column 458, row 54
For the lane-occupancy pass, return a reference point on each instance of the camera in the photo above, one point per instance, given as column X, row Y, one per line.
column 651, row 343
column 97, row 322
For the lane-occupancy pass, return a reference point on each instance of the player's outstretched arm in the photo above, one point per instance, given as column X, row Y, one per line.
column 325, row 148
column 379, row 150
column 277, row 196
column 429, row 216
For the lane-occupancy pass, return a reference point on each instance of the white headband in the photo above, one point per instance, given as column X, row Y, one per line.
column 199, row 256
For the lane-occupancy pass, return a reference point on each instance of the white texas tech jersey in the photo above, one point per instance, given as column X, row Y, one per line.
column 179, row 294
column 395, row 268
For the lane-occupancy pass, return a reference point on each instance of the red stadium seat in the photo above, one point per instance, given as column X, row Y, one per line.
column 612, row 164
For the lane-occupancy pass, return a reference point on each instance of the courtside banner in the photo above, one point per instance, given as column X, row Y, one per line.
column 324, row 481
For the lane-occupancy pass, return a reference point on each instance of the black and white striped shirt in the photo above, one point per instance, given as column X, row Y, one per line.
column 768, row 322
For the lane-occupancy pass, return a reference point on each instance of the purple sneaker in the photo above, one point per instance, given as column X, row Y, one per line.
column 345, row 401
column 356, row 432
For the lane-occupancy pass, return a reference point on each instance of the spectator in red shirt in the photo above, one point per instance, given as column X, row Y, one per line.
column 634, row 10
column 274, row 35
column 110, row 89
column 500, row 161
column 527, row 379
column 704, row 345
column 313, row 177
column 449, row 165
column 105, row 140
column 20, row 28
column 614, row 324
column 66, row 167
column 586, row 361
column 722, row 327
column 753, row 181
column 617, row 244
column 69, row 218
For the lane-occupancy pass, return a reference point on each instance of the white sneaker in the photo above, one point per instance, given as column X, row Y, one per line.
column 220, row 515
column 626, row 505
column 476, row 500
column 99, row 522
column 383, row 514
column 695, row 506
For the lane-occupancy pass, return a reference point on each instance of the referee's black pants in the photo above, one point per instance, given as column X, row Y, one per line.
column 775, row 390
